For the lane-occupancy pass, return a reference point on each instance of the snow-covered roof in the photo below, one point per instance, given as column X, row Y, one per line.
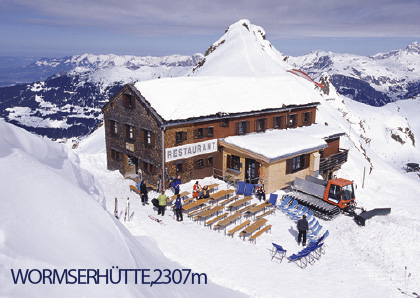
column 190, row 97
column 278, row 144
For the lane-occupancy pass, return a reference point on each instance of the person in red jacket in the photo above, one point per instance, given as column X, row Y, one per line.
column 196, row 189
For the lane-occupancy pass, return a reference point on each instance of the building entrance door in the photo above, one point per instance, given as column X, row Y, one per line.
column 251, row 171
column 131, row 166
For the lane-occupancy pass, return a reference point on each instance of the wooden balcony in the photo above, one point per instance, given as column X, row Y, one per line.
column 334, row 161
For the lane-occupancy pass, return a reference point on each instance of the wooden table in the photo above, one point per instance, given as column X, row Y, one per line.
column 253, row 227
column 240, row 202
column 194, row 204
column 207, row 213
column 182, row 194
column 257, row 208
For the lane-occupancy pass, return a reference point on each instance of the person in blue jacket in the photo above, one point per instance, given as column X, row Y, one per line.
column 178, row 208
column 176, row 183
column 143, row 191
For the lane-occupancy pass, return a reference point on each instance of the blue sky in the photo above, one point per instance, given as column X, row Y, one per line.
column 47, row 28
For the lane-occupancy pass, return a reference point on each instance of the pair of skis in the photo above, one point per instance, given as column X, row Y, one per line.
column 157, row 220
column 127, row 210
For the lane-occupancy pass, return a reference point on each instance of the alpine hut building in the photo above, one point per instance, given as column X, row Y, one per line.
column 254, row 129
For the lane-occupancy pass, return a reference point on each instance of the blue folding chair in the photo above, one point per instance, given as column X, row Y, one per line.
column 298, row 215
column 278, row 252
column 314, row 232
column 249, row 189
column 290, row 207
column 283, row 204
column 273, row 199
column 241, row 188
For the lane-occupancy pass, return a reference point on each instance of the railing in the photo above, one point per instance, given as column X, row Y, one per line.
column 230, row 176
column 334, row 161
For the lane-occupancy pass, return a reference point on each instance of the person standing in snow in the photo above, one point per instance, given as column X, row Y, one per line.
column 178, row 208
column 302, row 227
column 196, row 190
column 162, row 203
column 143, row 192
column 176, row 183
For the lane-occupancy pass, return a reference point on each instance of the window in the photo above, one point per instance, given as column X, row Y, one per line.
column 148, row 138
column 334, row 193
column 307, row 117
column 180, row 136
column 210, row 131
column 128, row 101
column 179, row 168
column 129, row 132
column 292, row 120
column 242, row 128
column 113, row 127
column 210, row 161
column 198, row 133
column 233, row 162
column 147, row 167
column 200, row 163
column 115, row 155
column 260, row 124
column 297, row 163
column 278, row 122
column 224, row 122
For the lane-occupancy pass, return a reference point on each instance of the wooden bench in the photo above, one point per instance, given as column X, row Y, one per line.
column 133, row 188
column 224, row 222
column 253, row 227
column 238, row 227
column 253, row 237
column 266, row 213
column 209, row 223
column 150, row 186
column 227, row 201
column 195, row 212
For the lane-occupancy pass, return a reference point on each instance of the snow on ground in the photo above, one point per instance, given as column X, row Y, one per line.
column 53, row 218
column 368, row 261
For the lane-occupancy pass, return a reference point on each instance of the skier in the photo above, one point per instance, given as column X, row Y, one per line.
column 302, row 227
column 176, row 183
column 143, row 192
column 178, row 208
column 162, row 203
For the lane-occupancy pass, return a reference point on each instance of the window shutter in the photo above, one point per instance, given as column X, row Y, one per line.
column 306, row 160
column 205, row 132
column 184, row 135
column 195, row 133
column 247, row 125
column 289, row 166
column 237, row 128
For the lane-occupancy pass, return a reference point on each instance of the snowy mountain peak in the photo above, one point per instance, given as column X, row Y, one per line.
column 242, row 51
column 413, row 47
